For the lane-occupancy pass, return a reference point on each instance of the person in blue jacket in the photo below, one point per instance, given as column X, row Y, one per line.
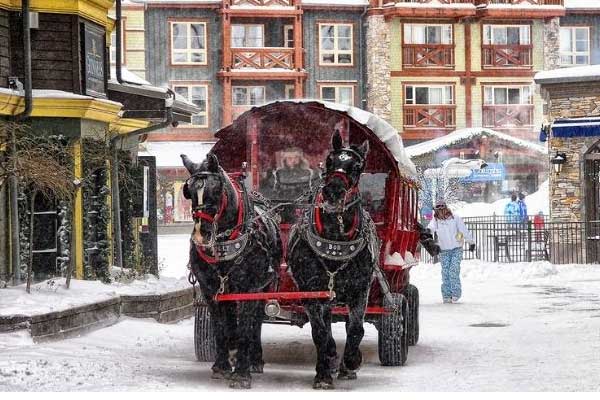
column 522, row 208
column 451, row 233
column 511, row 210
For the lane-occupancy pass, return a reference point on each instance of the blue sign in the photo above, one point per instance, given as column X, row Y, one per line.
column 493, row 172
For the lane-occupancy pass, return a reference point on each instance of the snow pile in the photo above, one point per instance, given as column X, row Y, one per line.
column 128, row 76
column 582, row 4
column 586, row 72
column 467, row 134
column 536, row 202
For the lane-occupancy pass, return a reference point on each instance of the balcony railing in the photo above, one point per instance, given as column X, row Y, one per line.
column 427, row 55
column 262, row 3
column 429, row 1
column 429, row 116
column 263, row 58
column 507, row 56
column 508, row 116
column 538, row 2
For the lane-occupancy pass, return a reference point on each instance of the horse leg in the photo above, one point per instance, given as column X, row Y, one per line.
column 354, row 333
column 256, row 354
column 223, row 338
column 320, row 323
column 247, row 325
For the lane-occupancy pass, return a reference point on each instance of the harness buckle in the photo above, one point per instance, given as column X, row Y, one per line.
column 331, row 284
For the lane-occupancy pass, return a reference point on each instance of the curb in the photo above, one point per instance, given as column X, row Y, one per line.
column 164, row 308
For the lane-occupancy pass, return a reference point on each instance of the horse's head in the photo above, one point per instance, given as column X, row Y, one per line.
column 343, row 168
column 206, row 189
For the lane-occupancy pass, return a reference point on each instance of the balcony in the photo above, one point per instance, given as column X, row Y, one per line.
column 263, row 3
column 263, row 58
column 428, row 56
column 425, row 8
column 508, row 116
column 429, row 116
column 506, row 56
column 515, row 2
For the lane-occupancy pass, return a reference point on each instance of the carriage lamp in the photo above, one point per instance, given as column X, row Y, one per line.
column 558, row 161
column 272, row 308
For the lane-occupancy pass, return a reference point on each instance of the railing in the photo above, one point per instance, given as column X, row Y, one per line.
column 262, row 3
column 427, row 55
column 502, row 56
column 497, row 116
column 557, row 242
column 429, row 1
column 538, row 2
column 263, row 57
column 429, row 116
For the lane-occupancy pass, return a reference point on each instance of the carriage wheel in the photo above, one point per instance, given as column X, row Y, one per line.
column 204, row 338
column 412, row 294
column 393, row 333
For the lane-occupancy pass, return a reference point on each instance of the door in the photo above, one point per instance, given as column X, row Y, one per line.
column 592, row 205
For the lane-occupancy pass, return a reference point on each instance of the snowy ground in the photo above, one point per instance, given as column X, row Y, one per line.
column 539, row 329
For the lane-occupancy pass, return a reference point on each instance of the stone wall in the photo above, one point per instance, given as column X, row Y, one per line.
column 378, row 67
column 567, row 191
column 551, row 44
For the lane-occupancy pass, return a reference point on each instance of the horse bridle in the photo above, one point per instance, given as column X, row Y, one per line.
column 350, row 187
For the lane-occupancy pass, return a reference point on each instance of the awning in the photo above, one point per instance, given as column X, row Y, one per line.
column 168, row 153
column 576, row 127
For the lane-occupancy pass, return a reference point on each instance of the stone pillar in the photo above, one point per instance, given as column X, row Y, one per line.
column 378, row 94
column 552, row 44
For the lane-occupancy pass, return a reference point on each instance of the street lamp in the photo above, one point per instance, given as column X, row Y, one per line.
column 558, row 161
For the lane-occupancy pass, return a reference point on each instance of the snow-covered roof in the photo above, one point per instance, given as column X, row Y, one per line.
column 575, row 4
column 128, row 76
column 462, row 135
column 432, row 3
column 572, row 74
column 57, row 94
column 168, row 153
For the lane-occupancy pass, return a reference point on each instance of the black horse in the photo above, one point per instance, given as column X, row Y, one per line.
column 334, row 248
column 234, row 248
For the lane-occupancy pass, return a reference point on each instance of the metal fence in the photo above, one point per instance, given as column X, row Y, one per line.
column 558, row 242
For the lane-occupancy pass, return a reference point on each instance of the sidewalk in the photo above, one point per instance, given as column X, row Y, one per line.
column 51, row 311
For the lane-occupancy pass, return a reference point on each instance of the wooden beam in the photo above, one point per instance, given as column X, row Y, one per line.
column 227, row 102
column 468, row 80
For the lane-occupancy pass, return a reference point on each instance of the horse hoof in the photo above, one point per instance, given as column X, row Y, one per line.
column 323, row 384
column 221, row 374
column 347, row 375
column 257, row 369
column 240, row 382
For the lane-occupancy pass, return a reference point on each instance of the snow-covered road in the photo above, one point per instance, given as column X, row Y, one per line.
column 518, row 327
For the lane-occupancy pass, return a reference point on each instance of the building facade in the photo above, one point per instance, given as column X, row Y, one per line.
column 580, row 34
column 456, row 64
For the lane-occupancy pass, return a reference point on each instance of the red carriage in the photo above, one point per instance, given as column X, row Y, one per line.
column 266, row 140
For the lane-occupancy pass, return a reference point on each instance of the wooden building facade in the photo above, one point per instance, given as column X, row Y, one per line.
column 75, row 98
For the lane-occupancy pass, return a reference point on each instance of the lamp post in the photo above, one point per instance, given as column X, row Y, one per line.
column 558, row 161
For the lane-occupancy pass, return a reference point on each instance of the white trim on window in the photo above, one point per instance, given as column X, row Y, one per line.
column 341, row 43
column 113, row 45
column 506, row 95
column 288, row 36
column 290, row 91
column 198, row 95
column 499, row 34
column 418, row 33
column 187, row 54
column 248, row 95
column 343, row 94
column 568, row 47
column 413, row 94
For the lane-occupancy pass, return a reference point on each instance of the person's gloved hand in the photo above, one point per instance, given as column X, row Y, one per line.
column 472, row 247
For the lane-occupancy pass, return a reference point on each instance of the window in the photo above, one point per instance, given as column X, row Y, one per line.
column 427, row 34
column 438, row 95
column 198, row 95
column 335, row 44
column 289, row 92
column 343, row 94
column 288, row 35
column 507, row 95
column 188, row 43
column 113, row 44
column 575, row 45
column 506, row 34
column 248, row 95
column 247, row 36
